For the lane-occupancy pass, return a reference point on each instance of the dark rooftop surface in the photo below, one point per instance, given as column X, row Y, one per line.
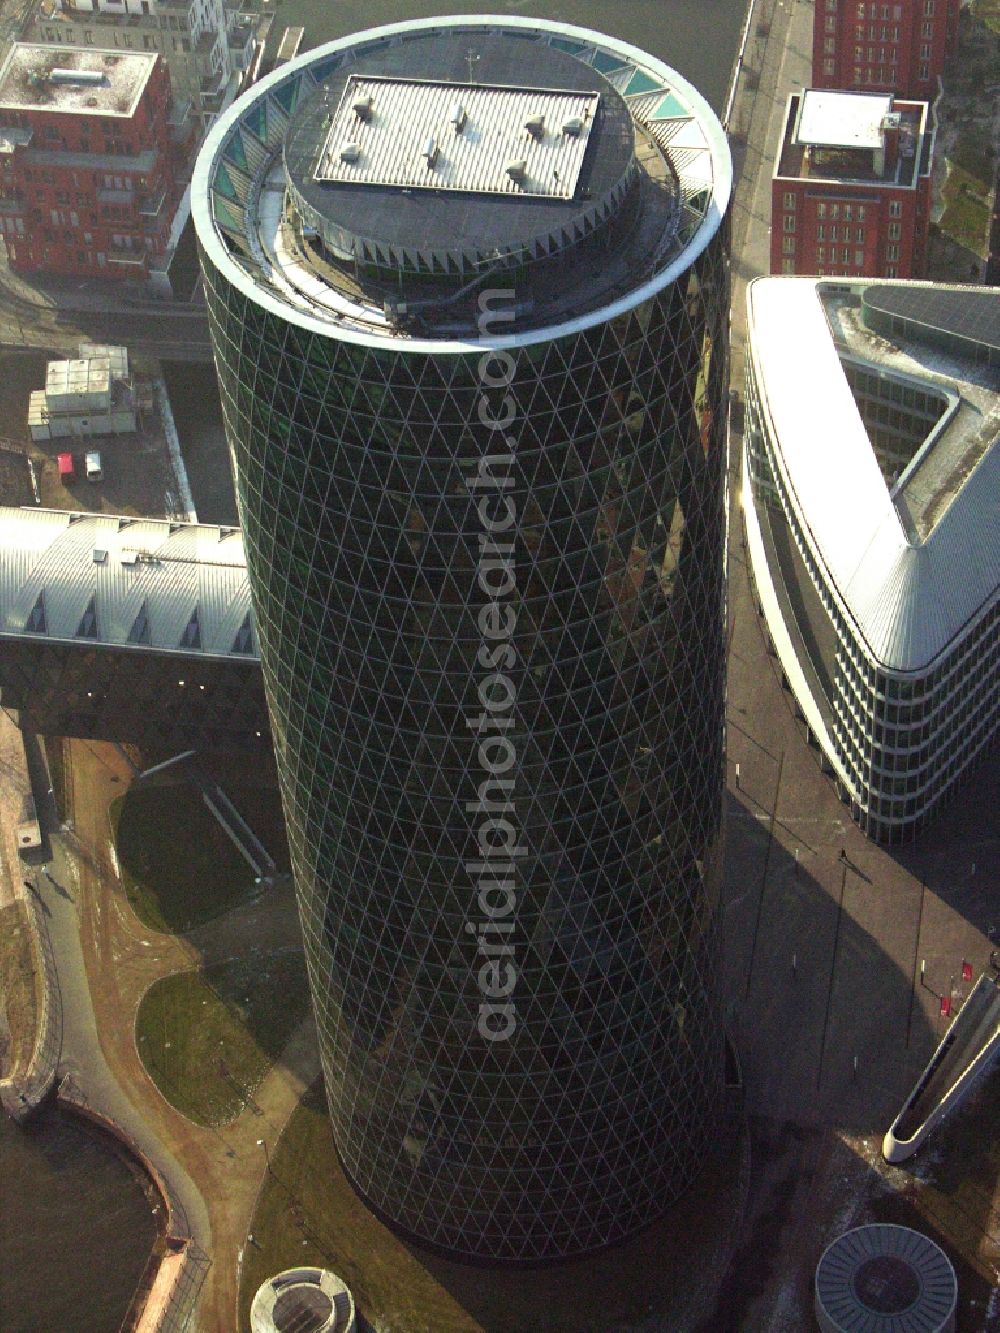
column 967, row 314
column 431, row 220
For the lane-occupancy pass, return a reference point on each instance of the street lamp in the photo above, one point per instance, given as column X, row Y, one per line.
column 261, row 1143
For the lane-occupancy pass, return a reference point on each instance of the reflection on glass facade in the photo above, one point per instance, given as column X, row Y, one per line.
column 138, row 696
column 360, row 464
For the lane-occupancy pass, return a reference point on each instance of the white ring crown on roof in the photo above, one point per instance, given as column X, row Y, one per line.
column 245, row 138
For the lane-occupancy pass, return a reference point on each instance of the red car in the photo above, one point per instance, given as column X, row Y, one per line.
column 67, row 468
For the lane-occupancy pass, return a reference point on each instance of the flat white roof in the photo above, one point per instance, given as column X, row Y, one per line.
column 404, row 118
column 909, row 598
column 842, row 120
column 74, row 79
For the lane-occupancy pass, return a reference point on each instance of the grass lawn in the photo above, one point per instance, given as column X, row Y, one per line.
column 20, row 995
column 307, row 1213
column 178, row 868
column 208, row 1038
column 966, row 214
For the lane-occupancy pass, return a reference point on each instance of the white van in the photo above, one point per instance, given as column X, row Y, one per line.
column 92, row 466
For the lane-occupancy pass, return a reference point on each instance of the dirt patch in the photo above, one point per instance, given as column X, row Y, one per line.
column 20, row 989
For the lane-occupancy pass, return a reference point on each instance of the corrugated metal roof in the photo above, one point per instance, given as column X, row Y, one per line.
column 390, row 139
column 148, row 582
column 909, row 598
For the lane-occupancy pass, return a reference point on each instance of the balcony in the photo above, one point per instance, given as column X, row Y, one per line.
column 123, row 198
column 150, row 205
column 131, row 259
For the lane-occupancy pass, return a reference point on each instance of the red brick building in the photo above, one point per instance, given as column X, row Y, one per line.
column 900, row 47
column 91, row 162
column 851, row 191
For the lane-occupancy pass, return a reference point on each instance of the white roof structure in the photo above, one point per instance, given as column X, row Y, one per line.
column 128, row 582
column 447, row 136
column 842, row 120
column 74, row 79
column 909, row 597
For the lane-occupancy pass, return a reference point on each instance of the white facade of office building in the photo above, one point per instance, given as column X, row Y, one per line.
column 871, row 502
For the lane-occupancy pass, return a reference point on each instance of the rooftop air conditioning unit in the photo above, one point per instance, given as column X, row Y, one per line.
column 457, row 117
column 362, row 107
column 573, row 126
column 517, row 169
column 430, row 151
column 535, row 125
column 350, row 152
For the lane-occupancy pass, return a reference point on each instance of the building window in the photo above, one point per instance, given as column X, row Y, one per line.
column 828, row 66
column 788, row 224
column 834, row 233
column 895, row 208
column 861, row 212
column 859, row 258
column 845, row 255
column 861, row 10
column 892, row 252
column 926, row 29
column 925, row 51
column 890, row 271
column 929, row 8
column 788, row 245
column 788, row 266
column 821, row 254
column 859, row 53
column 789, row 200
column 829, row 45
column 857, row 74
column 830, row 24
column 835, row 211
column 821, row 210
column 859, row 234
column 894, row 231
column 821, row 231
column 925, row 73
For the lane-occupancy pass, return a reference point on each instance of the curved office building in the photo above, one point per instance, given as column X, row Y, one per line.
column 468, row 293
column 871, row 472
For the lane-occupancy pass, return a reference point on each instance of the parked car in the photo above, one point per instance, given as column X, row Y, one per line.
column 92, row 466
column 67, row 467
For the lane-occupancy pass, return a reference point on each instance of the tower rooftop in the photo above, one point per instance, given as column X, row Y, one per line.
column 376, row 185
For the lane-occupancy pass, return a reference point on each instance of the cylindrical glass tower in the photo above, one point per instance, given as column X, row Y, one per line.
column 468, row 290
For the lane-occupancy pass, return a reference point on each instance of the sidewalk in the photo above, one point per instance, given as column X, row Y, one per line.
column 780, row 64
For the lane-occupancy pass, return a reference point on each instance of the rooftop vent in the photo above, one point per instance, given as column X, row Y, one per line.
column 350, row 152
column 457, row 117
column 87, row 76
column 362, row 107
column 573, row 126
column 430, row 151
column 891, row 120
column 535, row 125
column 517, row 169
